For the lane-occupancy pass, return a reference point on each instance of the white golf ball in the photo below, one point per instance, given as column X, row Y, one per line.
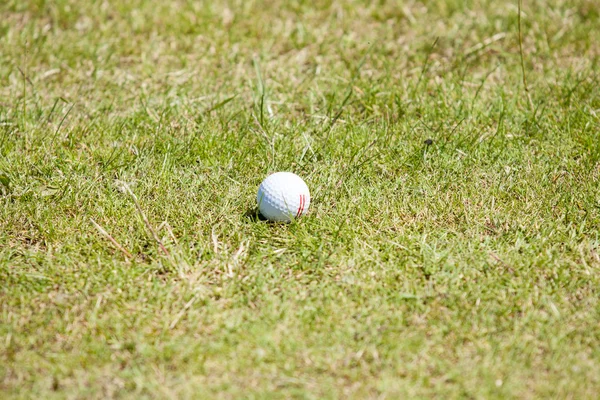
column 283, row 196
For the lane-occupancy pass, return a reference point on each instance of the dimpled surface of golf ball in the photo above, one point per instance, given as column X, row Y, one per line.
column 283, row 196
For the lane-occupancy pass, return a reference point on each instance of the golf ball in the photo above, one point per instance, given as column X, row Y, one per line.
column 283, row 196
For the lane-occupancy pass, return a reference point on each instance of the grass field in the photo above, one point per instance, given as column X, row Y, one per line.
column 451, row 249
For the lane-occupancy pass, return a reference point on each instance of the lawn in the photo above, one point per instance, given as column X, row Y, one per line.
column 452, row 245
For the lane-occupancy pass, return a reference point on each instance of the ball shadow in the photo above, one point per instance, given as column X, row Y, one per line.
column 255, row 216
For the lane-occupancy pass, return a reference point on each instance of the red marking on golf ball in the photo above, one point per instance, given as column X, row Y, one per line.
column 301, row 206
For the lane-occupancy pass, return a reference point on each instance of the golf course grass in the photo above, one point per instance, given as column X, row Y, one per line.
column 451, row 249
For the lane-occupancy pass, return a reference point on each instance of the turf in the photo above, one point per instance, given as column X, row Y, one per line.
column 451, row 249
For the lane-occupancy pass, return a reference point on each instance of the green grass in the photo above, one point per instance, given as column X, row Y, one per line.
column 464, row 268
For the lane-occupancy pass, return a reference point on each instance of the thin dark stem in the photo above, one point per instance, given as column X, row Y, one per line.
column 522, row 57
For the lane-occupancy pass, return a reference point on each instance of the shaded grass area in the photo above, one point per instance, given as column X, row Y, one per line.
column 451, row 248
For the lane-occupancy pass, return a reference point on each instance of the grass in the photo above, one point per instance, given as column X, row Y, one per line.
column 451, row 249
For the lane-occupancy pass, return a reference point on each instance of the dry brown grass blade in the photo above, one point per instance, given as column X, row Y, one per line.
column 108, row 236
column 145, row 219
